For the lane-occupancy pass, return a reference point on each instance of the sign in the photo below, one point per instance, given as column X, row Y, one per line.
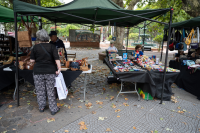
column 114, row 38
column 125, row 55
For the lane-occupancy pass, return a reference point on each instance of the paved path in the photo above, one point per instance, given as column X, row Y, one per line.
column 145, row 116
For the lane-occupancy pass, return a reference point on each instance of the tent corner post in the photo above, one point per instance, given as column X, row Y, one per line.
column 17, row 63
column 166, row 56
column 162, row 47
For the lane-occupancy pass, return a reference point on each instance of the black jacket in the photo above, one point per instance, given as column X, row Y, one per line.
column 59, row 44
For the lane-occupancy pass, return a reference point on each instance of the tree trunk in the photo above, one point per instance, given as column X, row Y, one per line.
column 132, row 4
column 191, row 7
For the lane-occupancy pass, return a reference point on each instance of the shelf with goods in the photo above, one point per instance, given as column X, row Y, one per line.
column 6, row 46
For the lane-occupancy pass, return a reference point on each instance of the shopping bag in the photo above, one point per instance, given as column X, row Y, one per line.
column 61, row 87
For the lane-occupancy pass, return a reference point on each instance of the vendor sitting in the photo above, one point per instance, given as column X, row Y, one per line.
column 112, row 48
column 138, row 49
column 196, row 54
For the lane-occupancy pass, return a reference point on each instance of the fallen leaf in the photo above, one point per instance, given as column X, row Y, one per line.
column 69, row 107
column 81, row 123
column 108, row 130
column 66, row 131
column 79, row 106
column 126, row 99
column 14, row 129
column 163, row 103
column 184, row 110
column 102, row 118
column 71, row 96
column 117, row 110
column 142, row 107
column 0, row 117
column 155, row 131
column 54, row 131
column 179, row 107
column 88, row 105
column 184, row 123
column 114, row 106
column 10, row 106
column 93, row 112
column 151, row 131
column 4, row 131
column 161, row 119
column 98, row 102
column 28, row 103
column 118, row 116
column 104, row 89
column 125, row 104
column 58, row 104
column 50, row 120
column 78, row 98
column 134, row 127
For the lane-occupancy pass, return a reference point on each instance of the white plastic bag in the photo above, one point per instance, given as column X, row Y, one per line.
column 61, row 87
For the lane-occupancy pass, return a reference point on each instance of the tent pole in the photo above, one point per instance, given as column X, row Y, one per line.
column 127, row 38
column 40, row 20
column 170, row 22
column 17, row 63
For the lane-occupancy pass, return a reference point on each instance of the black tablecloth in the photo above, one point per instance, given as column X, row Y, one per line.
column 69, row 76
column 187, row 81
column 150, row 81
column 6, row 78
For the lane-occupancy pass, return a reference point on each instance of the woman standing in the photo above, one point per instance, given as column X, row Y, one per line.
column 44, row 55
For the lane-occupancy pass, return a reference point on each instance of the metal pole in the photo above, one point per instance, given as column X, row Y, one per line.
column 40, row 19
column 170, row 22
column 127, row 38
column 139, row 35
column 17, row 63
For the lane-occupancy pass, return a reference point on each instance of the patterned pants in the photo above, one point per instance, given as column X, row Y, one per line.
column 45, row 83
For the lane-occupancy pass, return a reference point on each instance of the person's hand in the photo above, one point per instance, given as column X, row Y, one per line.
column 57, row 72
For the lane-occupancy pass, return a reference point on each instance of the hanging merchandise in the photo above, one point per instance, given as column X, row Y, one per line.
column 165, row 36
column 178, row 36
column 24, row 37
column 188, row 40
column 171, row 43
column 194, row 40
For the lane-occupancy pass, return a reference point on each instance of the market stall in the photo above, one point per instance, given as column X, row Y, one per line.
column 145, row 73
column 101, row 12
column 189, row 75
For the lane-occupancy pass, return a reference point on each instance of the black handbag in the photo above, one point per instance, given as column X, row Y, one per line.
column 165, row 36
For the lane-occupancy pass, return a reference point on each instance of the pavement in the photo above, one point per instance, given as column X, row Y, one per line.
column 100, row 113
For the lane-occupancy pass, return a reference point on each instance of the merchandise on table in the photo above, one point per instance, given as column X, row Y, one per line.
column 112, row 56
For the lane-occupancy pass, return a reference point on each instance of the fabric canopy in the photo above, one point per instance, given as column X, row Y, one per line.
column 191, row 23
column 99, row 12
column 7, row 15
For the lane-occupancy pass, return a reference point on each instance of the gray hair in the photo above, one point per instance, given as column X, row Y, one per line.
column 42, row 35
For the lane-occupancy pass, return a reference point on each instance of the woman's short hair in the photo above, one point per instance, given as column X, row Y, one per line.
column 42, row 35
column 138, row 46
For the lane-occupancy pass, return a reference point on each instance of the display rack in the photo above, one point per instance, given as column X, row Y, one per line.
column 6, row 46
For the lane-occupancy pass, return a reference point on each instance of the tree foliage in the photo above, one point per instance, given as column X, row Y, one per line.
column 159, row 39
column 133, row 36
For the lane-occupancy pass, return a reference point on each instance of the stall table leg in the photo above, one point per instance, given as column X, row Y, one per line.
column 122, row 85
column 85, row 83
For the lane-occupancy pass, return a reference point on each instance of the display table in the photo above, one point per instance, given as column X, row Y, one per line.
column 148, row 81
column 185, row 80
column 69, row 76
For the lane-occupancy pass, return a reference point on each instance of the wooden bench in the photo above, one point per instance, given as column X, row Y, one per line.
column 71, row 55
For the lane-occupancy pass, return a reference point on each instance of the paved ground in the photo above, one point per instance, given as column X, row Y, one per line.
column 128, row 115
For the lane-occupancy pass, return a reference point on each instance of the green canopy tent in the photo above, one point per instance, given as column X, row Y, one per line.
column 7, row 15
column 188, row 24
column 101, row 12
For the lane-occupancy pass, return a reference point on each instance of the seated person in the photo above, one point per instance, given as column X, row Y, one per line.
column 112, row 48
column 138, row 49
column 196, row 54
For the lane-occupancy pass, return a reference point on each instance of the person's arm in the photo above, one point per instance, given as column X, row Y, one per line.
column 32, row 55
column 58, row 66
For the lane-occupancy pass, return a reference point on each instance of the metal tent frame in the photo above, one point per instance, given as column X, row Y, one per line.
column 94, row 21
